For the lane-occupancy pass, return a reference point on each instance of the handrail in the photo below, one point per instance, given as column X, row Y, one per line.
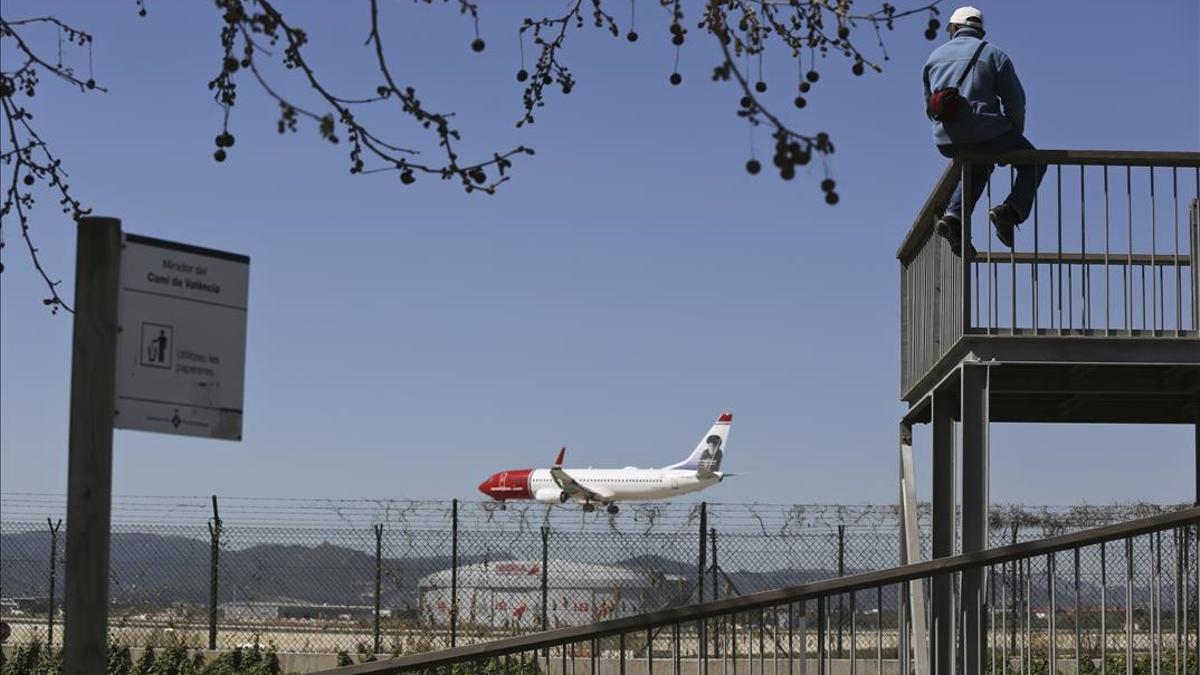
column 840, row 585
column 925, row 217
column 945, row 185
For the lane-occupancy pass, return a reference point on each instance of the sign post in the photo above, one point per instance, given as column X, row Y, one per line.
column 89, row 463
column 159, row 345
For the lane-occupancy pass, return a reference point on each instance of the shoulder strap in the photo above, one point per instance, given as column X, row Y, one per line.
column 963, row 78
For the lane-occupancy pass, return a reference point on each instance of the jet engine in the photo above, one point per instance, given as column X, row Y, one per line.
column 550, row 495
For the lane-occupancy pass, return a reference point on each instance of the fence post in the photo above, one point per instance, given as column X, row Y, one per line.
column 214, row 565
column 841, row 572
column 545, row 575
column 712, row 539
column 712, row 542
column 1012, row 601
column 453, row 573
column 53, row 565
column 378, row 579
column 703, row 551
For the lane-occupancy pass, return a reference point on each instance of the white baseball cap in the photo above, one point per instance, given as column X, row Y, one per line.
column 967, row 16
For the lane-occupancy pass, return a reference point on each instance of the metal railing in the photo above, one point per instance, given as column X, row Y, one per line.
column 1108, row 598
column 1109, row 250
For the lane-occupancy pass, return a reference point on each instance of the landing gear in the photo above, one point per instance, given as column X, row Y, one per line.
column 588, row 507
column 612, row 509
column 563, row 497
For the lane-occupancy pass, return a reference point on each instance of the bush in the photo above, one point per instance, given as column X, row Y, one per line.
column 174, row 659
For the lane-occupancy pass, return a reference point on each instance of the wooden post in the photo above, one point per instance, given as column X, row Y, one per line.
column 89, row 463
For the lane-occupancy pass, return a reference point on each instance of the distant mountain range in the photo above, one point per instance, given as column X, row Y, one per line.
column 155, row 571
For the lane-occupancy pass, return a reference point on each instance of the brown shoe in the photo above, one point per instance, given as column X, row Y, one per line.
column 1006, row 219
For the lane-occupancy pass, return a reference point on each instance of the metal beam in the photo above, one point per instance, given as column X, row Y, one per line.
column 910, row 550
column 945, row 407
column 974, row 392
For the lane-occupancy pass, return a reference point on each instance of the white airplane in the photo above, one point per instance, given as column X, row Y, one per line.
column 590, row 486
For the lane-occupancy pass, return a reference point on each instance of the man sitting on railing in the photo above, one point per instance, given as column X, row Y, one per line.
column 977, row 105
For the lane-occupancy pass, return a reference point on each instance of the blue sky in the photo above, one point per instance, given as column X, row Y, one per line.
column 630, row 283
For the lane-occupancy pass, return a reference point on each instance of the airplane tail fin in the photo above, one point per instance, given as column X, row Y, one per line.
column 705, row 460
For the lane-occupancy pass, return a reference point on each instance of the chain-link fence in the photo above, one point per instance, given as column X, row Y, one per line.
column 404, row 576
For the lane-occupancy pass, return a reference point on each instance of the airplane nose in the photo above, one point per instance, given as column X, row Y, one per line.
column 486, row 486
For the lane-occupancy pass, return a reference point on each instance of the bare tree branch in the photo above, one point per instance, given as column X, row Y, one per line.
column 255, row 32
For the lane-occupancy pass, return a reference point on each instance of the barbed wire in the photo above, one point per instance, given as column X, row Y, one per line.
column 767, row 519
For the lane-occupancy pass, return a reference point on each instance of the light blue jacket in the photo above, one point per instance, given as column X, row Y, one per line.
column 996, row 98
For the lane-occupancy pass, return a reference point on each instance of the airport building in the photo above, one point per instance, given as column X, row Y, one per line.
column 508, row 593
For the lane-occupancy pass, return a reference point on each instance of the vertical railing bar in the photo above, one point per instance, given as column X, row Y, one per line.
column 1175, row 545
column 1156, row 645
column 1178, row 269
column 1128, row 271
column 733, row 641
column 1142, row 270
column 1153, row 252
column 1129, row 606
column 1078, row 635
column 762, row 629
column 990, row 647
column 676, row 649
column 1086, row 269
column 821, row 627
column 775, row 640
column 991, row 268
column 853, row 633
column 879, row 631
column 1194, row 251
column 791, row 626
column 1103, row 609
column 750, row 643
column 1012, row 267
column 621, row 654
column 650, row 654
column 1027, row 642
column 804, row 637
column 1034, row 268
column 1058, row 174
column 1107, row 279
column 1052, row 627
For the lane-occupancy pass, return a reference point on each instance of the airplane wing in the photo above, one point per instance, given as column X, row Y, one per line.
column 571, row 486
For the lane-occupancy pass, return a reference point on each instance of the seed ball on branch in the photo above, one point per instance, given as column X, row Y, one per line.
column 676, row 78
column 930, row 34
column 800, row 102
column 747, row 102
column 760, row 87
column 828, row 185
column 804, row 87
column 219, row 155
column 632, row 36
column 407, row 177
column 522, row 75
column 90, row 84
column 812, row 76
column 477, row 45
column 753, row 167
column 787, row 172
column 857, row 68
column 843, row 32
column 677, row 40
column 28, row 179
column 831, row 198
column 934, row 24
